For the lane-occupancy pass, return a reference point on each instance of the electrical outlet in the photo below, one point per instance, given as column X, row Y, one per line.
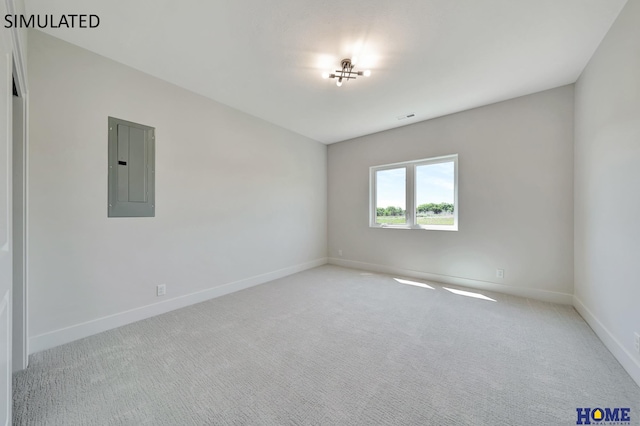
column 161, row 290
column 340, row 252
column 637, row 342
column 499, row 273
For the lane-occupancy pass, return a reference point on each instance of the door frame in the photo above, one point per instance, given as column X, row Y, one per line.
column 20, row 329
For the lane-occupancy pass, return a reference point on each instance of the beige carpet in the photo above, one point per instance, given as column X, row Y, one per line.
column 332, row 346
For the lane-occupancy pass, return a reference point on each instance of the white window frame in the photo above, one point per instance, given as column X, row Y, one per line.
column 410, row 173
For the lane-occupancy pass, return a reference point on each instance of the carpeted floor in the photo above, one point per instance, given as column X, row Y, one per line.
column 332, row 346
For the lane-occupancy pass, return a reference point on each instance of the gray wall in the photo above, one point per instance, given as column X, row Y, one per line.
column 607, row 185
column 236, row 198
column 515, row 198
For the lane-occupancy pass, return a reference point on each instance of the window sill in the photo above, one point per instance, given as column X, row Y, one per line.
column 418, row 227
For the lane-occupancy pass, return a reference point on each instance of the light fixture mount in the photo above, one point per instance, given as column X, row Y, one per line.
column 346, row 73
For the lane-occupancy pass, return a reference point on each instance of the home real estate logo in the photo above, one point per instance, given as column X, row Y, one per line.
column 603, row 416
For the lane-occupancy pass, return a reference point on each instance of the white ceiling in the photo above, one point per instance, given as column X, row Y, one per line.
column 428, row 57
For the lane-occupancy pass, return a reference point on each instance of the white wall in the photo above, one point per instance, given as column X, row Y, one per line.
column 515, row 198
column 607, row 184
column 238, row 200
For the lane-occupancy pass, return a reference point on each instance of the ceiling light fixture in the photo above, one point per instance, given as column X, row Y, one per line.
column 346, row 73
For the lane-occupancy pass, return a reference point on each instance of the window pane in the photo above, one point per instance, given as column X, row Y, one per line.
column 435, row 194
column 391, row 196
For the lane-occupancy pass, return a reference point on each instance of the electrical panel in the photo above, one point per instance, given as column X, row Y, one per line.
column 131, row 169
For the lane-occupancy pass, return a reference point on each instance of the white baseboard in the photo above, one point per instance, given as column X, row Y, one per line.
column 531, row 293
column 89, row 328
column 629, row 362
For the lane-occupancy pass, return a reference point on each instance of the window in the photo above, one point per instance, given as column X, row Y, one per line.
column 391, row 196
column 421, row 194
